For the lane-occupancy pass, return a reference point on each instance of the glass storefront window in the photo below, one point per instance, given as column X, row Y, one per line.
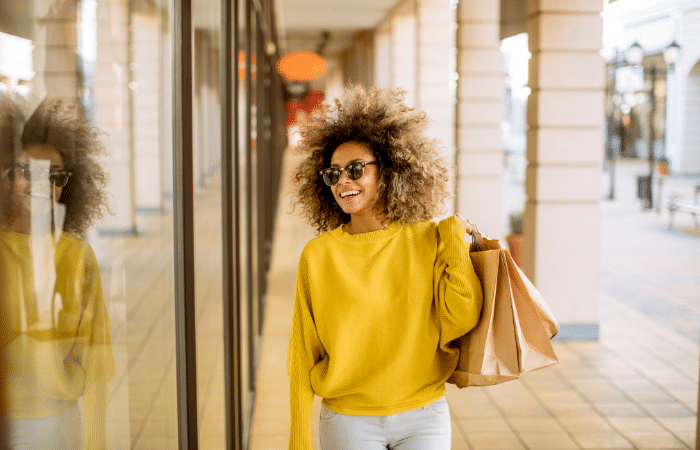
column 91, row 187
column 86, row 236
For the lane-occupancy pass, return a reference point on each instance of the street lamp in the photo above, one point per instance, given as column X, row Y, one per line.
column 634, row 57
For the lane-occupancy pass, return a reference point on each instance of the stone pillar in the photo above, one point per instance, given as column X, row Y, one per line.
column 564, row 156
column 55, row 47
column 402, row 24
column 382, row 55
column 113, row 113
column 480, row 92
column 146, row 76
column 435, row 39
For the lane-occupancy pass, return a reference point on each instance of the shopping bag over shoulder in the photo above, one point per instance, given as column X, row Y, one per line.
column 516, row 325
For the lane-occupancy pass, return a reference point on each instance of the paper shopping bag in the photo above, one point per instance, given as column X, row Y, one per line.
column 514, row 331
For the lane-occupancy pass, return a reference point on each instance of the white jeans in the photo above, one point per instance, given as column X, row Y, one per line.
column 426, row 428
column 64, row 432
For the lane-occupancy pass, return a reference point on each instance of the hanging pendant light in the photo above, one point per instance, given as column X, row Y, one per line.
column 301, row 66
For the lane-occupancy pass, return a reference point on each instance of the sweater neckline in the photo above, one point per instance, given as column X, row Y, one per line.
column 370, row 236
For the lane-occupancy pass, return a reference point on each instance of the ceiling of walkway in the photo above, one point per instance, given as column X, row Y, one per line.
column 304, row 21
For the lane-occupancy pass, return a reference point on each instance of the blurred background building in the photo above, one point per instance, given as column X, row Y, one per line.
column 197, row 119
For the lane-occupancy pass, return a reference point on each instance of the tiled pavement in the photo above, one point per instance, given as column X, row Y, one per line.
column 634, row 388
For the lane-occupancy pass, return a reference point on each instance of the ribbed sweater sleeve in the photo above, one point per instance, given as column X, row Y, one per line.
column 97, row 357
column 305, row 349
column 458, row 291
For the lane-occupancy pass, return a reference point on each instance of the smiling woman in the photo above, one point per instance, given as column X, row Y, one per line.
column 379, row 345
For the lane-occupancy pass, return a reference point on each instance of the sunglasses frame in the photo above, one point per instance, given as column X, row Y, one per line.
column 33, row 175
column 340, row 170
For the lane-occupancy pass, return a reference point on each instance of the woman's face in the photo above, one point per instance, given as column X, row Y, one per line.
column 355, row 196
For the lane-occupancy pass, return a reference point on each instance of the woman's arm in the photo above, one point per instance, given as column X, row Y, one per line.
column 305, row 350
column 458, row 291
column 97, row 358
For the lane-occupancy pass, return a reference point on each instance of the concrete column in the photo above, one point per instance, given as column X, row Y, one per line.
column 382, row 55
column 55, row 47
column 480, row 91
column 435, row 39
column 146, row 74
column 402, row 24
column 113, row 113
column 564, row 156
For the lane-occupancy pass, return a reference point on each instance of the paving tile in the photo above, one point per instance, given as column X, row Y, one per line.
column 548, row 441
column 692, row 406
column 558, row 398
column 471, row 409
column 495, row 441
column 579, row 425
column 458, row 440
column 534, row 425
column 632, row 424
column 483, row 425
column 650, row 396
column 621, row 409
column 687, row 438
column 679, row 424
column 573, row 410
column 524, row 409
column 602, row 440
column 654, row 440
column 668, row 409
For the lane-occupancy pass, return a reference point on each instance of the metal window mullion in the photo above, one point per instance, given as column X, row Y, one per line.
column 230, row 215
column 249, row 191
column 183, row 226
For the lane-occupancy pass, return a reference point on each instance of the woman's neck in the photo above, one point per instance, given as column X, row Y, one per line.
column 365, row 223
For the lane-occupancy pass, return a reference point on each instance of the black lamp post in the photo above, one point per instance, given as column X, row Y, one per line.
column 635, row 57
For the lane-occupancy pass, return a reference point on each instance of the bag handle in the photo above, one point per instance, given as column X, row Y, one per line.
column 481, row 243
column 475, row 242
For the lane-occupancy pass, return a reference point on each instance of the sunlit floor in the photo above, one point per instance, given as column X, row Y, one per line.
column 634, row 388
column 137, row 276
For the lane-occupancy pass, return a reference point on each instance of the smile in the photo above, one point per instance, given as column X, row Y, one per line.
column 348, row 194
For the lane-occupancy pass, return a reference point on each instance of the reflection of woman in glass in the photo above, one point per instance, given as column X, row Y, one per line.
column 55, row 335
column 375, row 308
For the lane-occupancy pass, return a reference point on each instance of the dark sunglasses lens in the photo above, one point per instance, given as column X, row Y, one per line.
column 59, row 178
column 331, row 176
column 355, row 171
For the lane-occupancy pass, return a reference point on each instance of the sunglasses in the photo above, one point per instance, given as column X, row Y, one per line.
column 33, row 173
column 355, row 171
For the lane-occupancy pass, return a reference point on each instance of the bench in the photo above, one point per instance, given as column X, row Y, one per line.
column 677, row 203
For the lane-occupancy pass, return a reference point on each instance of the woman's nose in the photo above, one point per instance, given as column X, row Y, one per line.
column 343, row 173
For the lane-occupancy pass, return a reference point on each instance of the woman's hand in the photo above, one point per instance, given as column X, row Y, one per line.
column 467, row 224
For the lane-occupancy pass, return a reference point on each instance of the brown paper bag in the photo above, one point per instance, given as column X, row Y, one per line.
column 516, row 325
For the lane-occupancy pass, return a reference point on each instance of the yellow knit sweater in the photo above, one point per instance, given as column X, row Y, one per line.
column 374, row 315
column 55, row 333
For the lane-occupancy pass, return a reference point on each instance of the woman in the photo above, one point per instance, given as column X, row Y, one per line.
column 55, row 332
column 373, row 319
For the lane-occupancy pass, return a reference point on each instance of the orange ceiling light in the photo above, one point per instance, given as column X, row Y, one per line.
column 301, row 66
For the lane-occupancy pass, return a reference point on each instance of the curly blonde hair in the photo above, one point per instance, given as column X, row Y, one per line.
column 413, row 181
column 60, row 125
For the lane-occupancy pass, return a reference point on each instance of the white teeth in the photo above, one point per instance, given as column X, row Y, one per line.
column 348, row 193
